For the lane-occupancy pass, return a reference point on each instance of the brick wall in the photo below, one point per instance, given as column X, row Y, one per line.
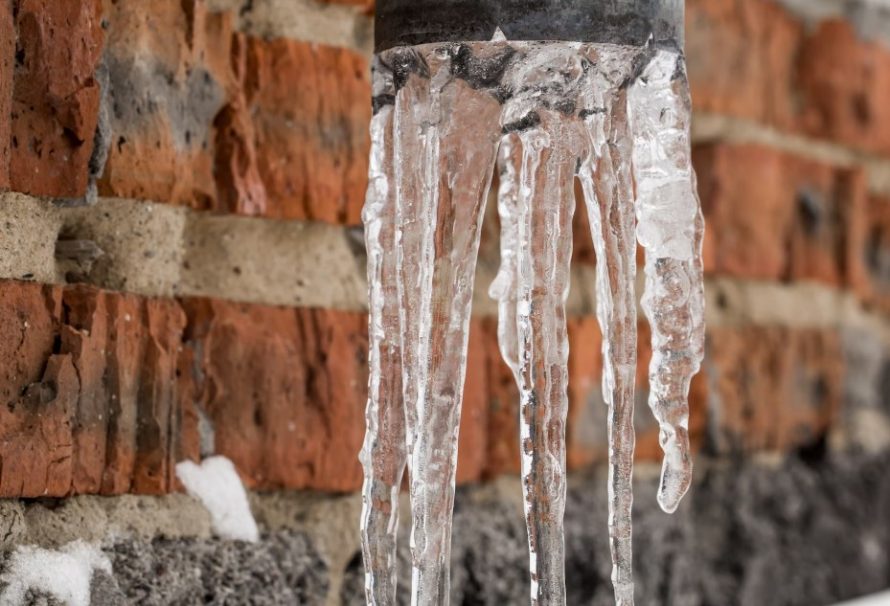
column 182, row 273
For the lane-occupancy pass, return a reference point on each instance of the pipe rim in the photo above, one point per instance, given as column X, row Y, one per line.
column 626, row 22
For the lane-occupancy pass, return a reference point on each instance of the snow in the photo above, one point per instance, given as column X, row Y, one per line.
column 217, row 485
column 881, row 599
column 64, row 574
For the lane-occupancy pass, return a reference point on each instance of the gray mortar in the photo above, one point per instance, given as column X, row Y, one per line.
column 52, row 523
column 162, row 250
column 274, row 262
column 306, row 20
column 142, row 245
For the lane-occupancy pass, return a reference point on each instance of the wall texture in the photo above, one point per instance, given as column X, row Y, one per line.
column 182, row 275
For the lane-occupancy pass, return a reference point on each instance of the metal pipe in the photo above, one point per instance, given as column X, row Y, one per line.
column 626, row 22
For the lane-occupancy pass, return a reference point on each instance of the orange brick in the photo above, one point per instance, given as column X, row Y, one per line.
column 284, row 389
column 473, row 445
column 206, row 117
column 311, row 109
column 774, row 216
column 586, row 429
column 845, row 84
column 55, row 98
column 90, row 392
column 772, row 388
column 741, row 59
column 170, row 71
column 7, row 67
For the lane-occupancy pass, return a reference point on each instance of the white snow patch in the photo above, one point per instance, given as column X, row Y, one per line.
column 882, row 599
column 64, row 574
column 217, row 485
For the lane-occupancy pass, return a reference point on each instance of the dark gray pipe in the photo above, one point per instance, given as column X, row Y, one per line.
column 628, row 22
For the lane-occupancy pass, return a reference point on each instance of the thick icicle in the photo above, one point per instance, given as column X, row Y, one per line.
column 384, row 453
column 608, row 190
column 445, row 136
column 670, row 227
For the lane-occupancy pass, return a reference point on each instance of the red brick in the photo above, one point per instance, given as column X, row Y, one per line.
column 7, row 66
column 585, row 432
column 774, row 216
column 747, row 209
column 284, row 389
column 311, row 109
column 741, row 59
column 474, row 426
column 503, row 408
column 844, row 87
column 171, row 74
column 56, row 96
column 772, row 388
column 90, row 391
column 208, row 118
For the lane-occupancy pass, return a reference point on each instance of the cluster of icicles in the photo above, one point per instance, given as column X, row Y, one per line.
column 544, row 114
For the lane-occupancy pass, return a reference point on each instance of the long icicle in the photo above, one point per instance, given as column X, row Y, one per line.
column 384, row 453
column 670, row 227
column 608, row 192
column 441, row 197
column 545, row 206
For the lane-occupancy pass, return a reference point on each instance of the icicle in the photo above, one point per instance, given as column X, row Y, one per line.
column 561, row 96
column 608, row 191
column 504, row 288
column 445, row 135
column 670, row 228
column 545, row 205
column 568, row 110
column 384, row 453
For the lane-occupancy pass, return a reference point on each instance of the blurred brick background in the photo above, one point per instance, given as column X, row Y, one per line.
column 182, row 267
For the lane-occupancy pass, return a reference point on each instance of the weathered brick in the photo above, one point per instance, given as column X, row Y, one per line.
column 284, row 390
column 844, row 87
column 170, row 73
column 39, row 391
column 207, row 117
column 56, row 96
column 741, row 59
column 7, row 63
column 90, row 389
column 311, row 109
column 771, row 388
column 772, row 215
